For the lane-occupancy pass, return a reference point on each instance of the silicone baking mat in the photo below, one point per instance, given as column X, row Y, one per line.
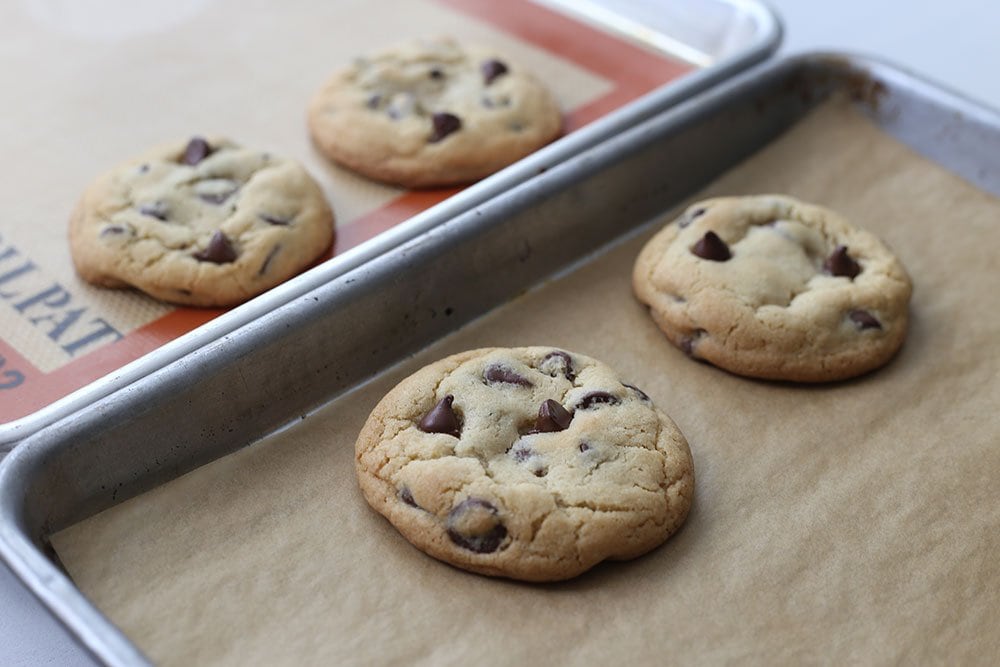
column 93, row 86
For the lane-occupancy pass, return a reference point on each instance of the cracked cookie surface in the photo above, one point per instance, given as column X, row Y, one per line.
column 771, row 287
column 530, row 463
column 204, row 223
column 432, row 113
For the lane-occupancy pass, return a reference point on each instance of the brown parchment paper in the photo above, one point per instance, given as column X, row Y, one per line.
column 850, row 523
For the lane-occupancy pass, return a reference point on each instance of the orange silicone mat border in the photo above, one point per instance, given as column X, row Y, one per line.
column 632, row 70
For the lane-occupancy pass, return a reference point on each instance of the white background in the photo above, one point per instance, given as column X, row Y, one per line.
column 954, row 43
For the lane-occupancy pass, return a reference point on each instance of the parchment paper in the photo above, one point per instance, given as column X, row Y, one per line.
column 850, row 523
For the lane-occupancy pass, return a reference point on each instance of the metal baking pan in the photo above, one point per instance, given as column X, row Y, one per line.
column 277, row 367
column 718, row 37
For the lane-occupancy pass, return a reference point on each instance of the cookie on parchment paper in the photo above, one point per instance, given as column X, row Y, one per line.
column 432, row 113
column 530, row 463
column 202, row 223
column 771, row 287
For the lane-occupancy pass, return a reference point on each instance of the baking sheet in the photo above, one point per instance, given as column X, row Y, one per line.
column 96, row 85
column 841, row 523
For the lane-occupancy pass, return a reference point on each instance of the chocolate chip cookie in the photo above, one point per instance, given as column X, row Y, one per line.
column 774, row 288
column 530, row 463
column 202, row 223
column 431, row 113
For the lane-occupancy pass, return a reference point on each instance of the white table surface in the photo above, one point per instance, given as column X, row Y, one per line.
column 952, row 42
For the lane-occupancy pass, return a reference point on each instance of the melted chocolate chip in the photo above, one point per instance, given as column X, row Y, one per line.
column 595, row 399
column 688, row 218
column 407, row 497
column 643, row 395
column 156, row 209
column 114, row 230
column 864, row 320
column 711, row 247
column 688, row 343
column 267, row 260
column 552, row 417
column 444, row 124
column 497, row 374
column 521, row 452
column 839, row 263
column 491, row 69
column 273, row 220
column 220, row 250
column 474, row 524
column 558, row 362
column 441, row 418
column 197, row 150
column 215, row 197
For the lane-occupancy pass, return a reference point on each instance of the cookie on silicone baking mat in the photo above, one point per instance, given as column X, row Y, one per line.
column 530, row 463
column 431, row 113
column 771, row 287
column 202, row 223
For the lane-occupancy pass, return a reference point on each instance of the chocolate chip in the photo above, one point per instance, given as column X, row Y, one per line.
column 864, row 320
column 711, row 247
column 688, row 343
column 839, row 263
column 687, row 346
column 220, row 250
column 374, row 101
column 521, row 452
column 407, row 497
column 474, row 524
column 273, row 220
column 267, row 260
column 441, row 418
column 498, row 374
column 215, row 197
column 643, row 395
column 444, row 124
column 115, row 230
column 584, row 446
column 595, row 399
column 196, row 151
column 541, row 472
column 688, row 218
column 552, row 417
column 143, row 168
column 491, row 69
column 558, row 362
column 156, row 209
column 436, row 74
